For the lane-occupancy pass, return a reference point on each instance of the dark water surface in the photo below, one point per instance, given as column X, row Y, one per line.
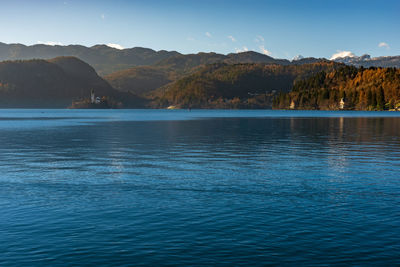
column 157, row 187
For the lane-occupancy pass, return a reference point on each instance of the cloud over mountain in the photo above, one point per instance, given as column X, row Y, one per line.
column 240, row 50
column 342, row 54
column 116, row 46
column 264, row 51
column 298, row 57
column 52, row 43
column 259, row 39
column 383, row 44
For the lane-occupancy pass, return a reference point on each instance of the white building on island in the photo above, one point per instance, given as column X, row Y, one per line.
column 92, row 97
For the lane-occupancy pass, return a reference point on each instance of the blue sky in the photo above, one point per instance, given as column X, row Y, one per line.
column 280, row 28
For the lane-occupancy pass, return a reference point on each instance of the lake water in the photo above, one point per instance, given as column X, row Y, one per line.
column 173, row 187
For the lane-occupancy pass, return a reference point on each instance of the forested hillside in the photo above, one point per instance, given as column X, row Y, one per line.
column 236, row 86
column 358, row 88
column 145, row 79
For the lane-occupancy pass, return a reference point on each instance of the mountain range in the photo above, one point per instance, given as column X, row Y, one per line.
column 103, row 58
column 52, row 76
column 367, row 61
column 107, row 60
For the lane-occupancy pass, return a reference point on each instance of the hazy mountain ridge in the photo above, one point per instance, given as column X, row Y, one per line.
column 103, row 58
column 107, row 60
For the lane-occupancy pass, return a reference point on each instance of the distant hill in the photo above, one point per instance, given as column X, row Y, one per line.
column 187, row 62
column 53, row 83
column 103, row 58
column 222, row 85
column 308, row 60
column 253, row 57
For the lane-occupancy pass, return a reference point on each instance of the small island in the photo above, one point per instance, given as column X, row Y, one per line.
column 91, row 103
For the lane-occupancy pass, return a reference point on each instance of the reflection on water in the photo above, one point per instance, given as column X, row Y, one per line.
column 200, row 187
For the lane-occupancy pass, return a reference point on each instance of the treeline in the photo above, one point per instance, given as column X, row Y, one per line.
column 236, row 86
column 348, row 88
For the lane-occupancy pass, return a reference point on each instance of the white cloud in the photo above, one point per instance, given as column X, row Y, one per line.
column 241, row 50
column 103, row 16
column 383, row 44
column 232, row 38
column 341, row 54
column 50, row 43
column 259, row 39
column 298, row 57
column 208, row 34
column 264, row 51
column 116, row 46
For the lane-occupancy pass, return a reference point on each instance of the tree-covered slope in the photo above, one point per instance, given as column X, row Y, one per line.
column 144, row 80
column 360, row 89
column 221, row 83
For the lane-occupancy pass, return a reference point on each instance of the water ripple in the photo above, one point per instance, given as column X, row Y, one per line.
column 233, row 188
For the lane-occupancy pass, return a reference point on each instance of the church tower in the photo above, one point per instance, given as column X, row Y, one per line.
column 92, row 98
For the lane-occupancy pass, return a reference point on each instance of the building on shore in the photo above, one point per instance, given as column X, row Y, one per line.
column 292, row 105
column 342, row 103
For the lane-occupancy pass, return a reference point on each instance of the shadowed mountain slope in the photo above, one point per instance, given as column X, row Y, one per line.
column 53, row 83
